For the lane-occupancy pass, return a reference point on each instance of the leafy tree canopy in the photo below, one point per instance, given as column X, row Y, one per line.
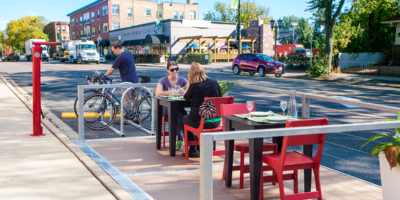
column 29, row 27
column 248, row 11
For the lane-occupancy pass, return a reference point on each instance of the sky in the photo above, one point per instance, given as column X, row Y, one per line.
column 58, row 10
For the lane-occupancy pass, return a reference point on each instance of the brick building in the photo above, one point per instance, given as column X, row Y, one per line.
column 57, row 32
column 265, row 42
column 94, row 20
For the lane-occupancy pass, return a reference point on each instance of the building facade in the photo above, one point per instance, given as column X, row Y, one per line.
column 57, row 32
column 167, row 32
column 265, row 42
column 95, row 20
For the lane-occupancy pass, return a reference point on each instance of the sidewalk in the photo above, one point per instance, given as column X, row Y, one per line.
column 49, row 167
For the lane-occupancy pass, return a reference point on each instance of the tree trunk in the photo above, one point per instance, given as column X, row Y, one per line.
column 329, row 44
column 370, row 29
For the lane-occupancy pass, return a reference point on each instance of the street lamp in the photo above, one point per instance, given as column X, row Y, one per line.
column 276, row 27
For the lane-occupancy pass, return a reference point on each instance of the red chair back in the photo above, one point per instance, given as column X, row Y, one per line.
column 304, row 139
column 218, row 101
column 298, row 140
column 239, row 108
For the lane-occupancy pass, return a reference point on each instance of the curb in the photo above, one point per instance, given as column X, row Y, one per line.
column 114, row 188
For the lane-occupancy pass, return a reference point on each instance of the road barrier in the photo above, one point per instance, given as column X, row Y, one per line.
column 207, row 139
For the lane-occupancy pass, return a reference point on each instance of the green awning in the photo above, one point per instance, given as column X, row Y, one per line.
column 127, row 43
column 104, row 43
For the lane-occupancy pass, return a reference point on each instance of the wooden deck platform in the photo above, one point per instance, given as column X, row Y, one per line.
column 175, row 178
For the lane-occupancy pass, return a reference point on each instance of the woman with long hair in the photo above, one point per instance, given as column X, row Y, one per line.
column 200, row 86
column 172, row 81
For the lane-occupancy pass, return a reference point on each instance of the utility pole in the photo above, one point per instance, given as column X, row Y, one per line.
column 238, row 34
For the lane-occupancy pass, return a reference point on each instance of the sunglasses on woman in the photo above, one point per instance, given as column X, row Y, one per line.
column 175, row 69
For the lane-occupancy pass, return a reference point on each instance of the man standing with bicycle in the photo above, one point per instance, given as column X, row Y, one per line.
column 125, row 62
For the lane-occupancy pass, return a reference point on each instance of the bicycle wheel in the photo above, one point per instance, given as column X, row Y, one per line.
column 143, row 110
column 100, row 113
column 86, row 94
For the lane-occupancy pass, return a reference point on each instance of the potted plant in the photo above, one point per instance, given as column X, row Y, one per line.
column 389, row 158
column 224, row 87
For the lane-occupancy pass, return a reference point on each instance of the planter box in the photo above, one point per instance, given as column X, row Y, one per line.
column 390, row 179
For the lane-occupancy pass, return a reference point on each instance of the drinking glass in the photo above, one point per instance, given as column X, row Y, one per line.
column 171, row 91
column 177, row 88
column 249, row 105
column 283, row 106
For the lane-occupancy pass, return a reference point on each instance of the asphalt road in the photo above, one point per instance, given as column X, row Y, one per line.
column 341, row 151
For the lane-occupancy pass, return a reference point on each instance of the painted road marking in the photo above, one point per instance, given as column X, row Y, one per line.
column 85, row 115
column 337, row 93
column 314, row 106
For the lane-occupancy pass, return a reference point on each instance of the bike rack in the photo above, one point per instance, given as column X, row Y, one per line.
column 121, row 132
column 129, row 86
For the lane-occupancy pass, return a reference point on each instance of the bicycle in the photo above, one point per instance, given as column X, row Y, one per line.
column 102, row 108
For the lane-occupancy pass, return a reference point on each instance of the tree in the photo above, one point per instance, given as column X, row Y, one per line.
column 362, row 29
column 248, row 11
column 330, row 10
column 18, row 31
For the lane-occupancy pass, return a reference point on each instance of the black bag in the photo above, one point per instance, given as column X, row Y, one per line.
column 207, row 110
column 144, row 79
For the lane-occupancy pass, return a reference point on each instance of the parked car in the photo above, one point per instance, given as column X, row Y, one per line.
column 102, row 59
column 254, row 62
column 300, row 53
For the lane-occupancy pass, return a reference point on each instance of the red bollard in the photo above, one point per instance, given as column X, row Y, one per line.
column 37, row 110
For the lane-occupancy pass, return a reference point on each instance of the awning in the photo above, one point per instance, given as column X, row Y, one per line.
column 137, row 42
column 127, row 43
column 104, row 43
column 156, row 39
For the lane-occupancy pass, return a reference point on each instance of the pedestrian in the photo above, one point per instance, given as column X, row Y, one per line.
column 172, row 81
column 125, row 63
column 200, row 86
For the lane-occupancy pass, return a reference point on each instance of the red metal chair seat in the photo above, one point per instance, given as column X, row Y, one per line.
column 229, row 109
column 217, row 101
column 288, row 161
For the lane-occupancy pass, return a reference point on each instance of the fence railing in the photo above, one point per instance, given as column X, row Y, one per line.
column 81, row 88
column 207, row 139
column 374, row 68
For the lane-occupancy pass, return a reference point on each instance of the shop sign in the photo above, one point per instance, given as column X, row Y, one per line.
column 158, row 28
column 206, row 57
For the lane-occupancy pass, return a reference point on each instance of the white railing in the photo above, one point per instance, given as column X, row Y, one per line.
column 206, row 144
column 81, row 89
column 207, row 139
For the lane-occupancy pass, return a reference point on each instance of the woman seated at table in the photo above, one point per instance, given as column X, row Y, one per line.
column 200, row 86
column 172, row 81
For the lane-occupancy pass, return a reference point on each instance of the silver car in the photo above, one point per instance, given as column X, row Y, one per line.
column 309, row 53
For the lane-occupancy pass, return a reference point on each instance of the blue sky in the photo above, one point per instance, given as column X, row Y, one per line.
column 55, row 10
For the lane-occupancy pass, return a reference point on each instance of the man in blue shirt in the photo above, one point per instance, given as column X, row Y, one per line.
column 127, row 70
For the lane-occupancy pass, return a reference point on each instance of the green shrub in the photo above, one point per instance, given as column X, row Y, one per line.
column 318, row 68
column 283, row 59
column 200, row 58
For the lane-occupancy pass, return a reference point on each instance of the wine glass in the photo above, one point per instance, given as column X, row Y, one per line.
column 249, row 105
column 283, row 106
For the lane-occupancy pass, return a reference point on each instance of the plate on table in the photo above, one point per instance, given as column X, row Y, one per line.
column 260, row 114
column 276, row 118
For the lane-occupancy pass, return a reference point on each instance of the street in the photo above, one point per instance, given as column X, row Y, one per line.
column 341, row 151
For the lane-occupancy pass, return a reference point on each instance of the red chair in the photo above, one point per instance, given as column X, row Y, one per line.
column 288, row 161
column 217, row 101
column 230, row 109
column 164, row 133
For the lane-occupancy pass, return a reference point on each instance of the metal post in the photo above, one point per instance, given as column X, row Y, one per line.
column 276, row 37
column 37, row 57
column 238, row 33
column 206, row 168
column 305, row 107
column 80, row 114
